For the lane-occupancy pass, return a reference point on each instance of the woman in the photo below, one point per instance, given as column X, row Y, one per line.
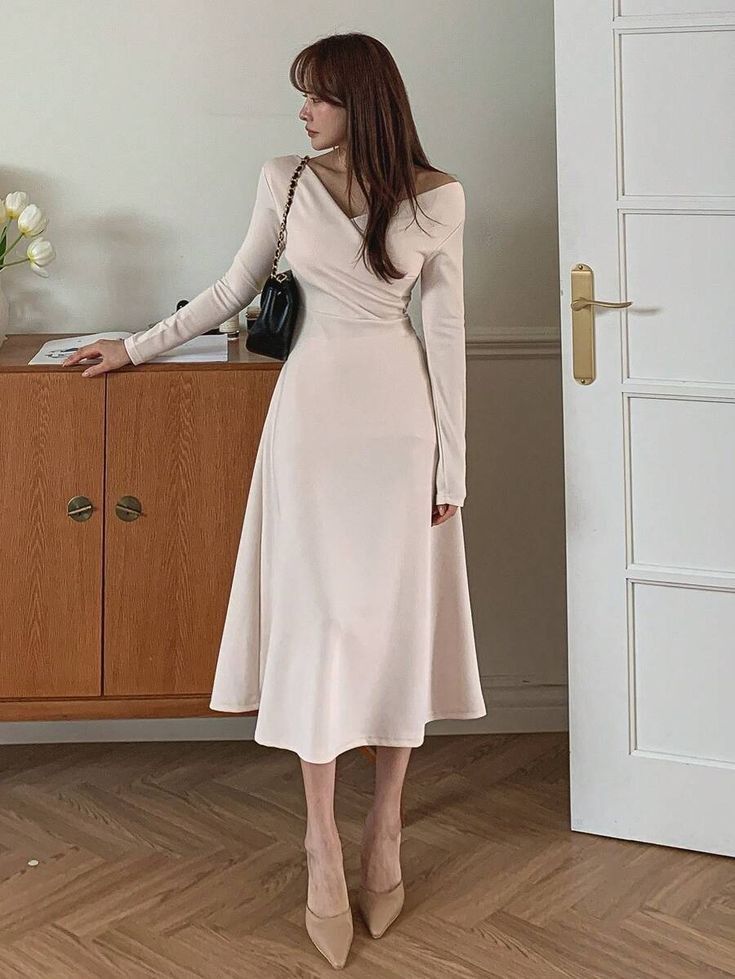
column 349, row 619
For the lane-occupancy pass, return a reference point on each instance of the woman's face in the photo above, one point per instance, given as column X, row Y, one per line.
column 326, row 124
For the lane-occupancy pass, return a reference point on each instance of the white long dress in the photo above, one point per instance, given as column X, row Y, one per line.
column 349, row 619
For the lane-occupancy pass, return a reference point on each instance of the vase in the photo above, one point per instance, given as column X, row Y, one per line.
column 4, row 312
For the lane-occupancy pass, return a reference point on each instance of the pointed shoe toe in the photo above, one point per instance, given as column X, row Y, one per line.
column 332, row 934
column 381, row 908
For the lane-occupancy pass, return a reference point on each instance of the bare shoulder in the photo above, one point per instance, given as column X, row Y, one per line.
column 323, row 162
column 432, row 179
column 425, row 179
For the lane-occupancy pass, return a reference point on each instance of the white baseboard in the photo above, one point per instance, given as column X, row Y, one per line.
column 513, row 706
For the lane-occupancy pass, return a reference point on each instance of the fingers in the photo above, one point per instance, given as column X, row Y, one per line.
column 441, row 513
column 91, row 350
column 87, row 353
column 97, row 369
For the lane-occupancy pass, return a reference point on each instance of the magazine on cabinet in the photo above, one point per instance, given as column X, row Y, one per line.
column 206, row 348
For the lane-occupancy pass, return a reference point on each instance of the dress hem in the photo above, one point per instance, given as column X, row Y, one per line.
column 413, row 741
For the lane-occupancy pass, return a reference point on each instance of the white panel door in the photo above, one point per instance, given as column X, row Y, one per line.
column 645, row 96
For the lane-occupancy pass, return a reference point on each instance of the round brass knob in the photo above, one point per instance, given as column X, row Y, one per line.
column 79, row 508
column 128, row 508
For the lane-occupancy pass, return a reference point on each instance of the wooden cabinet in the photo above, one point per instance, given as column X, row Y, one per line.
column 117, row 614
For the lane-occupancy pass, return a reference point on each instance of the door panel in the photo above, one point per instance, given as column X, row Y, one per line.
column 681, row 707
column 183, row 442
column 679, row 488
column 679, row 267
column 51, row 450
column 686, row 7
column 676, row 97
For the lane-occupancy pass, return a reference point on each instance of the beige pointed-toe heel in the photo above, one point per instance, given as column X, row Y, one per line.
column 332, row 934
column 381, row 908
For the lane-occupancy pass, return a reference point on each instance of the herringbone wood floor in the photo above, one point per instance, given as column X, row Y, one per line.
column 186, row 860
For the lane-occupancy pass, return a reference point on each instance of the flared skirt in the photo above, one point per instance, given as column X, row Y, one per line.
column 349, row 620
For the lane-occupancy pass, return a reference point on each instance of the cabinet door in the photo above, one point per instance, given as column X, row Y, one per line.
column 183, row 443
column 51, row 450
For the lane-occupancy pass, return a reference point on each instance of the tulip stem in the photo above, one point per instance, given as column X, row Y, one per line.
column 7, row 265
column 14, row 244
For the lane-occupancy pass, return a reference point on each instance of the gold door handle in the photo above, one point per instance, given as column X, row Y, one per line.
column 583, row 303
column 583, row 322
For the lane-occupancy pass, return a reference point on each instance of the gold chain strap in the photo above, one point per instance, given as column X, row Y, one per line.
column 289, row 198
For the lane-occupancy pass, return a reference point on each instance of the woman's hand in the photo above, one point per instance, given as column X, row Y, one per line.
column 441, row 512
column 112, row 352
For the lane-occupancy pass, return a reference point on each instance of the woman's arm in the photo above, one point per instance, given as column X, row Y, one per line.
column 231, row 293
column 443, row 321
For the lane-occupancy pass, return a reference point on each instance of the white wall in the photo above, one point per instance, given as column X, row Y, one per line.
column 140, row 126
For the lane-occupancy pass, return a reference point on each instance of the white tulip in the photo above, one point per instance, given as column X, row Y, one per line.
column 15, row 203
column 3, row 212
column 32, row 221
column 40, row 252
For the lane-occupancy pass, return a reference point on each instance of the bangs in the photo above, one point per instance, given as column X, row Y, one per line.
column 312, row 73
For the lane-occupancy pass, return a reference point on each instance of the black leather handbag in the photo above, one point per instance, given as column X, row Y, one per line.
column 271, row 333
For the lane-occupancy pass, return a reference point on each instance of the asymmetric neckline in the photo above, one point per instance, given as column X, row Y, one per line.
column 364, row 214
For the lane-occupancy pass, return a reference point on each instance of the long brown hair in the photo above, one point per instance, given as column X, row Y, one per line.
column 358, row 72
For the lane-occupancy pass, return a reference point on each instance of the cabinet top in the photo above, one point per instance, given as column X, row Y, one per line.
column 19, row 348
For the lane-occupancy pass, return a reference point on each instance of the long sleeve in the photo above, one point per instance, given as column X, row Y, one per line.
column 443, row 322
column 230, row 294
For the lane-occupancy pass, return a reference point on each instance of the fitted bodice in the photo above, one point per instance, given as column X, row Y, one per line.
column 322, row 245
